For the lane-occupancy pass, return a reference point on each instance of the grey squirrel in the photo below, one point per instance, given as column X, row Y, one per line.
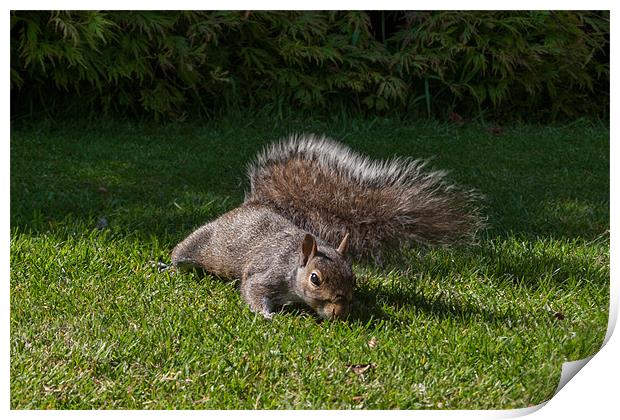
column 312, row 204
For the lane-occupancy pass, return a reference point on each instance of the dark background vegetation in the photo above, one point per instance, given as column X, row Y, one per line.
column 170, row 65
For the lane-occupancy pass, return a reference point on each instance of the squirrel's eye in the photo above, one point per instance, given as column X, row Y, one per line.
column 314, row 278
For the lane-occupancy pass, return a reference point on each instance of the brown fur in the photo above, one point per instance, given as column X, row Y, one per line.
column 327, row 189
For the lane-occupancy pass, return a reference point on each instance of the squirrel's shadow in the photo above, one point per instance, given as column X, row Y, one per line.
column 375, row 302
column 371, row 306
column 394, row 281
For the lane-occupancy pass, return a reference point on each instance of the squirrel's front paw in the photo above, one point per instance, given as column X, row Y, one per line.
column 262, row 307
column 264, row 312
column 267, row 309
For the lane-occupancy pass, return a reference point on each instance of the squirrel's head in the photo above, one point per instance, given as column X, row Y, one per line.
column 325, row 280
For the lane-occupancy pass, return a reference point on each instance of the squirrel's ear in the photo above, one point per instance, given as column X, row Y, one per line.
column 308, row 249
column 342, row 248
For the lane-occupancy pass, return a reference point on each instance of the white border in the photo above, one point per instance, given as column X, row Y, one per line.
column 592, row 393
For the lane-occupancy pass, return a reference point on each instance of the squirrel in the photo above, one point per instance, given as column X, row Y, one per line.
column 313, row 204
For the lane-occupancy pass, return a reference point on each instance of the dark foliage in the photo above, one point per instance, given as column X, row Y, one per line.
column 539, row 65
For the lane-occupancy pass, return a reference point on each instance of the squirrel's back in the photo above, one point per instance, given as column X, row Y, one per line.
column 328, row 189
column 224, row 245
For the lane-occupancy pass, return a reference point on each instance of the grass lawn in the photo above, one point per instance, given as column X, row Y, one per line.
column 95, row 325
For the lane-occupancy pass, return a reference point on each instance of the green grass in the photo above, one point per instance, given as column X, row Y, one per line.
column 95, row 325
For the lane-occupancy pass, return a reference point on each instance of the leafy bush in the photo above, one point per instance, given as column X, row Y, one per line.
column 531, row 65
column 543, row 62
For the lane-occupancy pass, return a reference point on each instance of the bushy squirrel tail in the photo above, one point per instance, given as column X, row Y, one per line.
column 328, row 189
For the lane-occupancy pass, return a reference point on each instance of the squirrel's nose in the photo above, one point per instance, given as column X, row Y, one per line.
column 341, row 311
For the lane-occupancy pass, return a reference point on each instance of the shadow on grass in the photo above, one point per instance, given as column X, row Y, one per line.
column 164, row 182
column 520, row 265
column 369, row 307
column 154, row 181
